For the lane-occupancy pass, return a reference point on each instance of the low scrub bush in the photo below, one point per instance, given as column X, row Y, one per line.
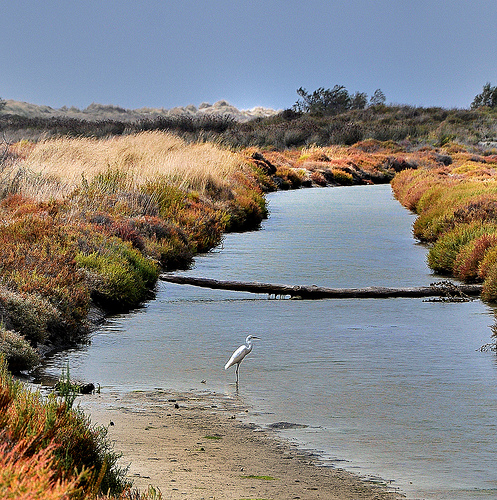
column 318, row 178
column 403, row 185
column 17, row 352
column 25, row 475
column 203, row 223
column 290, row 178
column 37, row 259
column 488, row 269
column 487, row 263
column 35, row 317
column 247, row 213
column 165, row 242
column 483, row 208
column 342, row 177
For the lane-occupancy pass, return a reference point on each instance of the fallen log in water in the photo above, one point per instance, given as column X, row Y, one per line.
column 441, row 289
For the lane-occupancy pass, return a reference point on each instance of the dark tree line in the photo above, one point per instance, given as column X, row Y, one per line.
column 329, row 102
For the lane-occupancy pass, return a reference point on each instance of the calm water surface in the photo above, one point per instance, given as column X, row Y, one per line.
column 393, row 388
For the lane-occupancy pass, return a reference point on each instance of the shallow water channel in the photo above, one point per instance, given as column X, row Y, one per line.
column 390, row 388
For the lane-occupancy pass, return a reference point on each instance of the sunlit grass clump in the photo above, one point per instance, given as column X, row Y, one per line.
column 49, row 448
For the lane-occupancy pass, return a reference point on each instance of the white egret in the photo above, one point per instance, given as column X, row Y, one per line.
column 239, row 354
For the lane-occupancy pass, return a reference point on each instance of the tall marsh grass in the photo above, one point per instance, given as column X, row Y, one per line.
column 136, row 159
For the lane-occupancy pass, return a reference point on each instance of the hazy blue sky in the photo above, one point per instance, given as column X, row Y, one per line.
column 253, row 52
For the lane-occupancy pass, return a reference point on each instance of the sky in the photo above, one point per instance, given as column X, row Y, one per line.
column 162, row 54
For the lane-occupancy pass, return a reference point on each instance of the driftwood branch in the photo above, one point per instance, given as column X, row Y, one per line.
column 318, row 292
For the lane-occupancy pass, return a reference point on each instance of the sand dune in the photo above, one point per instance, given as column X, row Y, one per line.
column 105, row 112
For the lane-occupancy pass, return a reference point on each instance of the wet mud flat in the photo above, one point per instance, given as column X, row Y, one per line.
column 198, row 446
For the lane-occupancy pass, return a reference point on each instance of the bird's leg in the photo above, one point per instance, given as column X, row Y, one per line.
column 236, row 371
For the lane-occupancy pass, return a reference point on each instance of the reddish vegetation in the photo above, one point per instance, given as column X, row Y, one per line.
column 367, row 162
column 457, row 209
column 49, row 450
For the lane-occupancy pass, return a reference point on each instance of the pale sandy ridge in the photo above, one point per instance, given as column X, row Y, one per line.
column 194, row 446
column 97, row 111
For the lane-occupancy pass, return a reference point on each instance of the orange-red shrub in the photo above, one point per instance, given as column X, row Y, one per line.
column 468, row 260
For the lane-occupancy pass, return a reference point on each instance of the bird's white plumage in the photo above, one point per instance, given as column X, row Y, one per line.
column 240, row 353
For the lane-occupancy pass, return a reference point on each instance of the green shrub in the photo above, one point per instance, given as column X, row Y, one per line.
column 431, row 225
column 342, row 177
column 170, row 253
column 124, row 275
column 290, row 177
column 442, row 255
column 410, row 185
column 468, row 260
column 487, row 263
column 489, row 291
column 246, row 212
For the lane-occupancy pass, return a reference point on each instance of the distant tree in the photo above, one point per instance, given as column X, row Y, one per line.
column 359, row 100
column 377, row 98
column 323, row 102
column 2, row 104
column 488, row 97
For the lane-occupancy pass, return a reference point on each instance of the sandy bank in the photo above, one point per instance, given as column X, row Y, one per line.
column 194, row 446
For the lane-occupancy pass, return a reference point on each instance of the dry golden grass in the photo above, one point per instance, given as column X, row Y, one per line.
column 140, row 157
